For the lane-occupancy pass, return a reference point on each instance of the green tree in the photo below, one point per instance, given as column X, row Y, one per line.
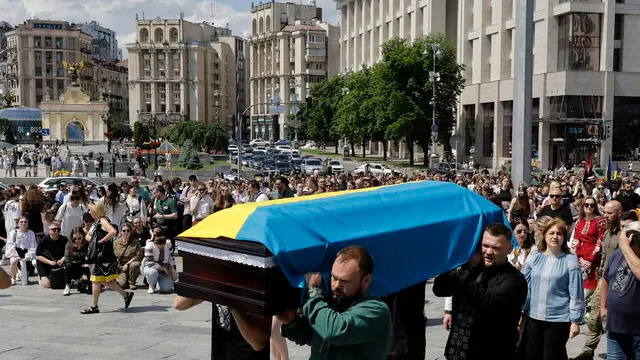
column 408, row 67
column 189, row 158
column 355, row 116
column 7, row 99
column 141, row 134
column 318, row 115
column 202, row 136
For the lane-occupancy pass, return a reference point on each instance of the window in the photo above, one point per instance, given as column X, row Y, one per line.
column 469, row 114
column 316, row 38
column 487, row 126
column 617, row 59
column 579, row 42
column 146, row 88
column 37, row 41
column 175, row 89
column 618, row 27
column 507, row 121
column 162, row 90
column 48, row 42
column 60, row 86
column 49, row 70
column 58, row 43
column 48, row 56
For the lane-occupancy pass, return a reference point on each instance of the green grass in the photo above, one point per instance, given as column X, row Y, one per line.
column 205, row 167
column 371, row 158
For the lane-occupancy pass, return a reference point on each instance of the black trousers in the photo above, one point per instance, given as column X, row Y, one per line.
column 74, row 271
column 409, row 323
column 544, row 340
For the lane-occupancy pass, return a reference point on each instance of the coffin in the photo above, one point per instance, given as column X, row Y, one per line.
column 253, row 257
column 240, row 274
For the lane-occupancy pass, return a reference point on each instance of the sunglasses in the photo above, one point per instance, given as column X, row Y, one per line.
column 555, row 196
column 77, row 238
column 54, row 229
column 589, row 205
column 202, row 189
column 125, row 230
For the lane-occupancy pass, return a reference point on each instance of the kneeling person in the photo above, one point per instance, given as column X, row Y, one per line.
column 50, row 255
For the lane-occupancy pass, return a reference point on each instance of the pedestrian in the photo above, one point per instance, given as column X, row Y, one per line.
column 488, row 295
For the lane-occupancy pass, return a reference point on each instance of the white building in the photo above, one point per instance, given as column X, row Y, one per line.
column 104, row 43
column 586, row 80
column 291, row 49
column 179, row 70
column 367, row 24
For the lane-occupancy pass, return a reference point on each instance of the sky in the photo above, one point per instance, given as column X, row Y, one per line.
column 119, row 15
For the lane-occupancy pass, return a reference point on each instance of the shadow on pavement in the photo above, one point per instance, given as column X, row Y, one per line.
column 142, row 309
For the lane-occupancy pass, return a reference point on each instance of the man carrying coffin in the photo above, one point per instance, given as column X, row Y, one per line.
column 488, row 295
column 349, row 324
column 235, row 336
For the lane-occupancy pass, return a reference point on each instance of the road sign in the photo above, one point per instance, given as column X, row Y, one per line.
column 45, row 132
column 277, row 109
column 434, row 127
column 295, row 109
column 456, row 141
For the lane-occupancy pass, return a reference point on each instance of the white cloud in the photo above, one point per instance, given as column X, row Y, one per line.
column 119, row 15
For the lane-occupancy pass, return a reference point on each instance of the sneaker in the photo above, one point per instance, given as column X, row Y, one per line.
column 66, row 292
column 151, row 290
column 133, row 287
column 13, row 281
column 127, row 299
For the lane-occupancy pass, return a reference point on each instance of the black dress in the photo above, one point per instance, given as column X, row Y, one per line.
column 105, row 268
column 227, row 342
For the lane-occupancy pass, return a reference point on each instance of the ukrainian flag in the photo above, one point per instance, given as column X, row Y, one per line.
column 414, row 231
column 609, row 169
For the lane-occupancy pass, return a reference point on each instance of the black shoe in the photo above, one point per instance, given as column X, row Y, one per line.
column 585, row 355
column 127, row 299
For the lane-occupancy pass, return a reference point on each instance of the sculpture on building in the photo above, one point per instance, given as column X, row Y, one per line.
column 72, row 70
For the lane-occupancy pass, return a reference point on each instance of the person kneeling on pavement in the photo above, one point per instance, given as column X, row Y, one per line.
column 157, row 267
column 129, row 255
column 349, row 324
column 50, row 256
column 75, row 265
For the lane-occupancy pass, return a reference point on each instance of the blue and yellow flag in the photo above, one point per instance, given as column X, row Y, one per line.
column 616, row 173
column 609, row 169
column 414, row 231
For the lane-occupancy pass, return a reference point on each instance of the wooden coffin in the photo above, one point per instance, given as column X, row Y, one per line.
column 240, row 274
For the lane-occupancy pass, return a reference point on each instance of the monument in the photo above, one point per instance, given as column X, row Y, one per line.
column 73, row 117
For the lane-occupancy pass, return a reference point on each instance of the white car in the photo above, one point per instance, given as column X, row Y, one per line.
column 258, row 143
column 336, row 166
column 51, row 183
column 232, row 147
column 375, row 169
column 284, row 148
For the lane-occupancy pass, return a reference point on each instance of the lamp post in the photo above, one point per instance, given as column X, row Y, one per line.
column 294, row 107
column 434, row 78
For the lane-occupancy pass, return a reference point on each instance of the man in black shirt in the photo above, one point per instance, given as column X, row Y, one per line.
column 627, row 198
column 50, row 253
column 234, row 336
column 556, row 207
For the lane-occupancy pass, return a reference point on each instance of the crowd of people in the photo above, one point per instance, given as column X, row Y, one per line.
column 577, row 262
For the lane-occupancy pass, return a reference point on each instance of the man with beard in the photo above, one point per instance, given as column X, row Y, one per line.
column 488, row 295
column 350, row 324
column 627, row 198
column 612, row 213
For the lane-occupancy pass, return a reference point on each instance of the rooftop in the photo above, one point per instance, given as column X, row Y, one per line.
column 21, row 113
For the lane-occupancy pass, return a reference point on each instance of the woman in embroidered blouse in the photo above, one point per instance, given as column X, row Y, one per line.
column 587, row 241
column 555, row 300
column 517, row 257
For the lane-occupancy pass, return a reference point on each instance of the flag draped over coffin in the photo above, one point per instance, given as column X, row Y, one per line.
column 414, row 231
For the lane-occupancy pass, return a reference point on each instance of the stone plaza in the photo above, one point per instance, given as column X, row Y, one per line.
column 42, row 324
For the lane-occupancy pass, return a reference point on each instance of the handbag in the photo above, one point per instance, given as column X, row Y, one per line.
column 57, row 279
column 94, row 251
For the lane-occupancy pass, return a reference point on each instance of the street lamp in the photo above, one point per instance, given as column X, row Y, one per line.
column 294, row 107
column 434, row 78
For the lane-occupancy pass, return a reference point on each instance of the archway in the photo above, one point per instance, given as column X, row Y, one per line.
column 75, row 132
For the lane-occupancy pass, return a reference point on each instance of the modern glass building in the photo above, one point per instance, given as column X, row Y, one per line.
column 24, row 121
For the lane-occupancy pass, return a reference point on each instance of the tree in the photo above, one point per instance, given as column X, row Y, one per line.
column 318, row 115
column 408, row 67
column 189, row 158
column 202, row 136
column 355, row 117
column 7, row 99
column 141, row 134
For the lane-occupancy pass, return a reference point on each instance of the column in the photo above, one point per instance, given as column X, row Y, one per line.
column 59, row 134
column 606, row 65
column 499, row 137
column 89, row 130
column 347, row 37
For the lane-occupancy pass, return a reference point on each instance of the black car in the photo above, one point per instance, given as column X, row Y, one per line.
column 284, row 168
column 296, row 165
column 268, row 165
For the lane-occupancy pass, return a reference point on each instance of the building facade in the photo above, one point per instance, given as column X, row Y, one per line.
column 104, row 45
column 586, row 97
column 179, row 70
column 5, row 27
column 36, row 51
column 367, row 24
column 290, row 50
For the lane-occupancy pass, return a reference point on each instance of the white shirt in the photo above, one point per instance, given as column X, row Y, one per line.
column 136, row 208
column 21, row 240
column 203, row 208
column 70, row 217
column 12, row 213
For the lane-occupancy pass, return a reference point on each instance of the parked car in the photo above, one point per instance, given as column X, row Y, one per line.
column 296, row 165
column 232, row 147
column 282, row 142
column 256, row 161
column 258, row 142
column 51, row 183
column 268, row 165
column 375, row 169
column 284, row 148
column 336, row 166
column 309, row 166
column 246, row 160
column 284, row 168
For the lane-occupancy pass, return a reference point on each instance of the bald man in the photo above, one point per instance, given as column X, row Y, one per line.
column 612, row 212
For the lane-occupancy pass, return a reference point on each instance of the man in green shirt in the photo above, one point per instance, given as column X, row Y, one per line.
column 349, row 324
column 166, row 211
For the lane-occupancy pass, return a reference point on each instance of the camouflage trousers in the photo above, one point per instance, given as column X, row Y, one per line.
column 593, row 320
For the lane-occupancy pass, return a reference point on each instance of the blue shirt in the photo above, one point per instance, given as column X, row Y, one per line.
column 623, row 296
column 555, row 288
